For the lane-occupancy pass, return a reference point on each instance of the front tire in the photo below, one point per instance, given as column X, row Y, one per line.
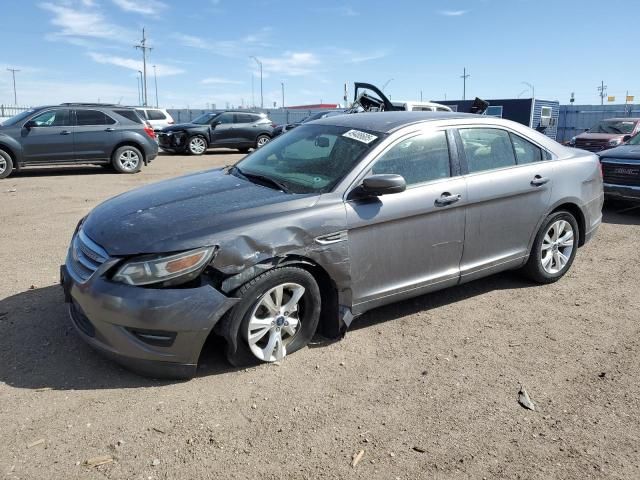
column 554, row 248
column 197, row 145
column 262, row 140
column 278, row 315
column 6, row 164
column 127, row 159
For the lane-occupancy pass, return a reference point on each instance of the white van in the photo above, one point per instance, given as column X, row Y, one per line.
column 158, row 118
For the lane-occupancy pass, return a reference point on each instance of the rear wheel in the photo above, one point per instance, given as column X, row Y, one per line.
column 278, row 315
column 262, row 140
column 243, row 150
column 127, row 159
column 6, row 164
column 554, row 248
column 197, row 145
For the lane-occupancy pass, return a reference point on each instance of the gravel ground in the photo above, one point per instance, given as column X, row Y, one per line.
column 426, row 388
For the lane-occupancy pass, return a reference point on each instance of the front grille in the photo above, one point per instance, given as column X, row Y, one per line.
column 85, row 257
column 621, row 173
column 591, row 145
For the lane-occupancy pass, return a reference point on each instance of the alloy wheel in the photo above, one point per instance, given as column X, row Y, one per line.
column 274, row 322
column 262, row 141
column 129, row 160
column 197, row 145
column 557, row 246
column 3, row 165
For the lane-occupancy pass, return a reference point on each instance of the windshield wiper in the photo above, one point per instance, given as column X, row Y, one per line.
column 262, row 179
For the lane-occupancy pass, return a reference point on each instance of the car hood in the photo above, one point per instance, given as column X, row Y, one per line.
column 623, row 151
column 598, row 136
column 183, row 126
column 184, row 213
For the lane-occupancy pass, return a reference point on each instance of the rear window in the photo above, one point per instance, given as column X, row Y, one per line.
column 93, row 117
column 155, row 115
column 129, row 115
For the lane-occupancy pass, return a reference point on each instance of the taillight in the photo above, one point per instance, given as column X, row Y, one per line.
column 149, row 131
column 273, row 125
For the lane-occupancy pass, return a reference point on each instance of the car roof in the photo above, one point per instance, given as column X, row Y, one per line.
column 622, row 119
column 387, row 122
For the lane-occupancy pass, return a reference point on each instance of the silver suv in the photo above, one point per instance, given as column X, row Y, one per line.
column 77, row 133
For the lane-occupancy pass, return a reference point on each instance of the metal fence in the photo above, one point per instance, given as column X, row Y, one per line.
column 575, row 119
column 278, row 116
column 7, row 111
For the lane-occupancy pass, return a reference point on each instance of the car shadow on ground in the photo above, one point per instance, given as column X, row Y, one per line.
column 224, row 151
column 39, row 348
column 617, row 213
column 61, row 171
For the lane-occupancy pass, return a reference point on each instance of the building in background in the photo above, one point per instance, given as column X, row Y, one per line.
column 541, row 115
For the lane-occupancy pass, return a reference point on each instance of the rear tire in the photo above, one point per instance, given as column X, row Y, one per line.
column 301, row 319
column 6, row 164
column 127, row 159
column 554, row 248
column 197, row 145
column 244, row 150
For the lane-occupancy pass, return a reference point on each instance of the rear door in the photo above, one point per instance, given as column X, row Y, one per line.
column 50, row 138
column 246, row 128
column 96, row 135
column 408, row 242
column 509, row 186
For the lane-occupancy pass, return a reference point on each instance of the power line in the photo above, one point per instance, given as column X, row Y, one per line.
column 15, row 96
column 143, row 46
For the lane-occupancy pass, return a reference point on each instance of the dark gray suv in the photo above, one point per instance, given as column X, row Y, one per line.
column 73, row 133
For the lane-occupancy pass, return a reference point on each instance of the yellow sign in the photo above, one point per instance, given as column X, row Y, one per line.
column 611, row 98
column 630, row 98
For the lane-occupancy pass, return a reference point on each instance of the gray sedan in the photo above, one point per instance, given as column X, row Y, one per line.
column 337, row 217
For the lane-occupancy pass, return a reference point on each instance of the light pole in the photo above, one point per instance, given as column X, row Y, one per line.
column 464, row 77
column 261, row 95
column 143, row 46
column 282, row 83
column 155, row 79
column 141, row 99
column 533, row 90
column 15, row 96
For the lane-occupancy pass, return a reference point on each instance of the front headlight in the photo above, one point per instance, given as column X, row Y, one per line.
column 572, row 141
column 184, row 266
column 615, row 141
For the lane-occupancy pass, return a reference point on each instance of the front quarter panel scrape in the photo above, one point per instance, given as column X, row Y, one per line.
column 290, row 239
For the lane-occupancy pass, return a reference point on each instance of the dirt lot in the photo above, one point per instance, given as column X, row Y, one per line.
column 426, row 388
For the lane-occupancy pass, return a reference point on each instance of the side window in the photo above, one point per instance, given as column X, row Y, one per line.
column 418, row 159
column 155, row 115
column 487, row 148
column 130, row 115
column 225, row 118
column 244, row 118
column 143, row 114
column 526, row 152
column 92, row 117
column 52, row 118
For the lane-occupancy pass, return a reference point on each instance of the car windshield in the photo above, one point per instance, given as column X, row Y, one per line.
column 618, row 127
column 17, row 118
column 309, row 159
column 635, row 140
column 204, row 119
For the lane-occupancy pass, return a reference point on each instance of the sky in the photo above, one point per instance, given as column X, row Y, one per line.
column 83, row 50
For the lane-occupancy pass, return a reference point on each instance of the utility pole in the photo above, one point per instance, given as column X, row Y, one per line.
column 143, row 46
column 603, row 92
column 141, row 88
column 155, row 79
column 464, row 77
column 253, row 98
column 282, row 83
column 15, row 96
column 420, row 95
column 261, row 95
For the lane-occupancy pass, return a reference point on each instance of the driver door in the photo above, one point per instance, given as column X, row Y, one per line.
column 49, row 138
column 411, row 242
column 222, row 129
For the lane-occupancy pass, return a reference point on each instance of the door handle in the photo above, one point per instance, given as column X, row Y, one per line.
column 65, row 132
column 538, row 181
column 447, row 199
column 109, row 129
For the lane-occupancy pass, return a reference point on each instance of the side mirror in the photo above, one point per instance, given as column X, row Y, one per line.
column 30, row 124
column 626, row 138
column 383, row 184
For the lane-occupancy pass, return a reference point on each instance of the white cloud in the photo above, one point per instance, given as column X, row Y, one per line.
column 227, row 48
column 143, row 7
column 135, row 65
column 77, row 24
column 365, row 57
column 219, row 81
column 291, row 63
column 453, row 13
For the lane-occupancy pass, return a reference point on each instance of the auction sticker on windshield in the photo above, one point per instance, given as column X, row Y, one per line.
column 363, row 137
